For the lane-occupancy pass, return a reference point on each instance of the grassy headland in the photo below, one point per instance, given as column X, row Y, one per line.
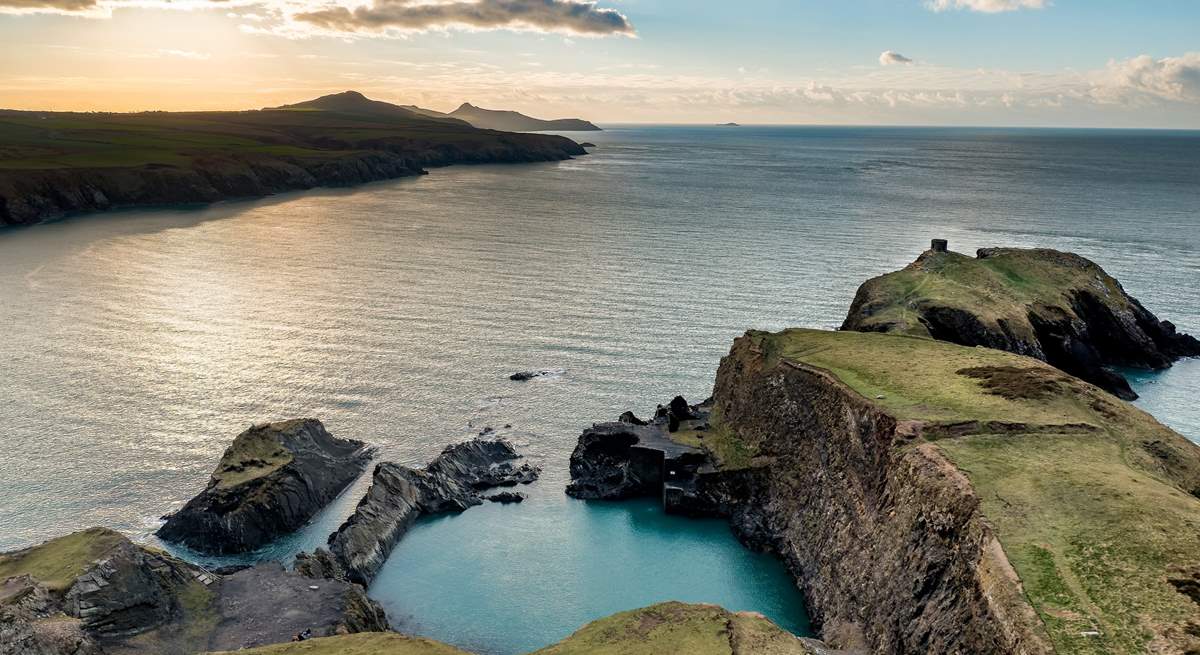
column 1093, row 500
column 54, row 163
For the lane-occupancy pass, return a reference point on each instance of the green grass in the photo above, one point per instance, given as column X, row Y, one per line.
column 665, row 629
column 728, row 450
column 58, row 562
column 678, row 629
column 255, row 453
column 1093, row 520
column 53, row 140
column 920, row 379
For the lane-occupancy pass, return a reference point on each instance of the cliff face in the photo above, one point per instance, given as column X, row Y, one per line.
column 1058, row 307
column 270, row 481
column 929, row 497
column 887, row 543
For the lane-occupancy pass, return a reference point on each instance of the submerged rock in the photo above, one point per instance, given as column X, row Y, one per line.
column 1055, row 306
column 525, row 376
column 270, row 481
column 399, row 494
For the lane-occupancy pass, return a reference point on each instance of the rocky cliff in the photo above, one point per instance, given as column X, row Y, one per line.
column 270, row 481
column 399, row 495
column 1055, row 306
column 94, row 592
column 933, row 498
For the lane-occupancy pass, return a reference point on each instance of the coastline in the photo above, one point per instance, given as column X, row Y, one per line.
column 35, row 197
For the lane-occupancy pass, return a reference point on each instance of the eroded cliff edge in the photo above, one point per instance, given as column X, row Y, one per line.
column 929, row 497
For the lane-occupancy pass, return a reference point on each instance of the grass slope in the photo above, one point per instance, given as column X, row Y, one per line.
column 328, row 127
column 56, row 563
column 1092, row 498
column 664, row 629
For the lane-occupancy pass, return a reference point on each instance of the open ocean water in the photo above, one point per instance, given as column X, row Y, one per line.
column 137, row 344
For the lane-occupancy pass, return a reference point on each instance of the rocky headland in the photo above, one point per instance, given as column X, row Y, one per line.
column 271, row 481
column 1058, row 307
column 57, row 164
column 929, row 497
column 932, row 484
column 507, row 120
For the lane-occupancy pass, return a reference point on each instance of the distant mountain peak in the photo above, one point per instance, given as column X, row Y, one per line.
column 511, row 121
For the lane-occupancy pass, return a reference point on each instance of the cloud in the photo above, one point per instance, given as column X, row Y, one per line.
column 561, row 16
column 48, row 5
column 889, row 58
column 305, row 18
column 1142, row 79
column 986, row 6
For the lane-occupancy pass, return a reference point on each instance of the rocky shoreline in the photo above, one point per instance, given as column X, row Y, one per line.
column 29, row 197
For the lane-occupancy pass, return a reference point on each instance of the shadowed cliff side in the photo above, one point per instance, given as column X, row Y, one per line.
column 1055, row 306
column 271, row 480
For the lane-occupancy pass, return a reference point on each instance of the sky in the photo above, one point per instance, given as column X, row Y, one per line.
column 1085, row 63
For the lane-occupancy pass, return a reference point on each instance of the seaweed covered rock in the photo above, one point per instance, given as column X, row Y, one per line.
column 1055, row 306
column 270, row 481
column 399, row 494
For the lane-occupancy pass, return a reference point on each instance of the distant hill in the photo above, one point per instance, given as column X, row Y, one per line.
column 353, row 102
column 508, row 121
column 54, row 164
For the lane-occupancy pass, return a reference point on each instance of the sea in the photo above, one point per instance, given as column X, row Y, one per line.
column 137, row 344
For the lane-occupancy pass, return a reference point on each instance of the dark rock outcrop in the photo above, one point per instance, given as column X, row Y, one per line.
column 266, row 605
column 1057, row 307
column 132, row 600
column 32, row 622
column 399, row 495
column 270, row 481
column 129, row 591
column 506, row 497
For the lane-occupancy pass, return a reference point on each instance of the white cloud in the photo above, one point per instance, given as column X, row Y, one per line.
column 889, row 58
column 1144, row 78
column 986, row 6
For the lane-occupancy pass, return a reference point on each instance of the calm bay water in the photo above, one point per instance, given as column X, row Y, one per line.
column 137, row 344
